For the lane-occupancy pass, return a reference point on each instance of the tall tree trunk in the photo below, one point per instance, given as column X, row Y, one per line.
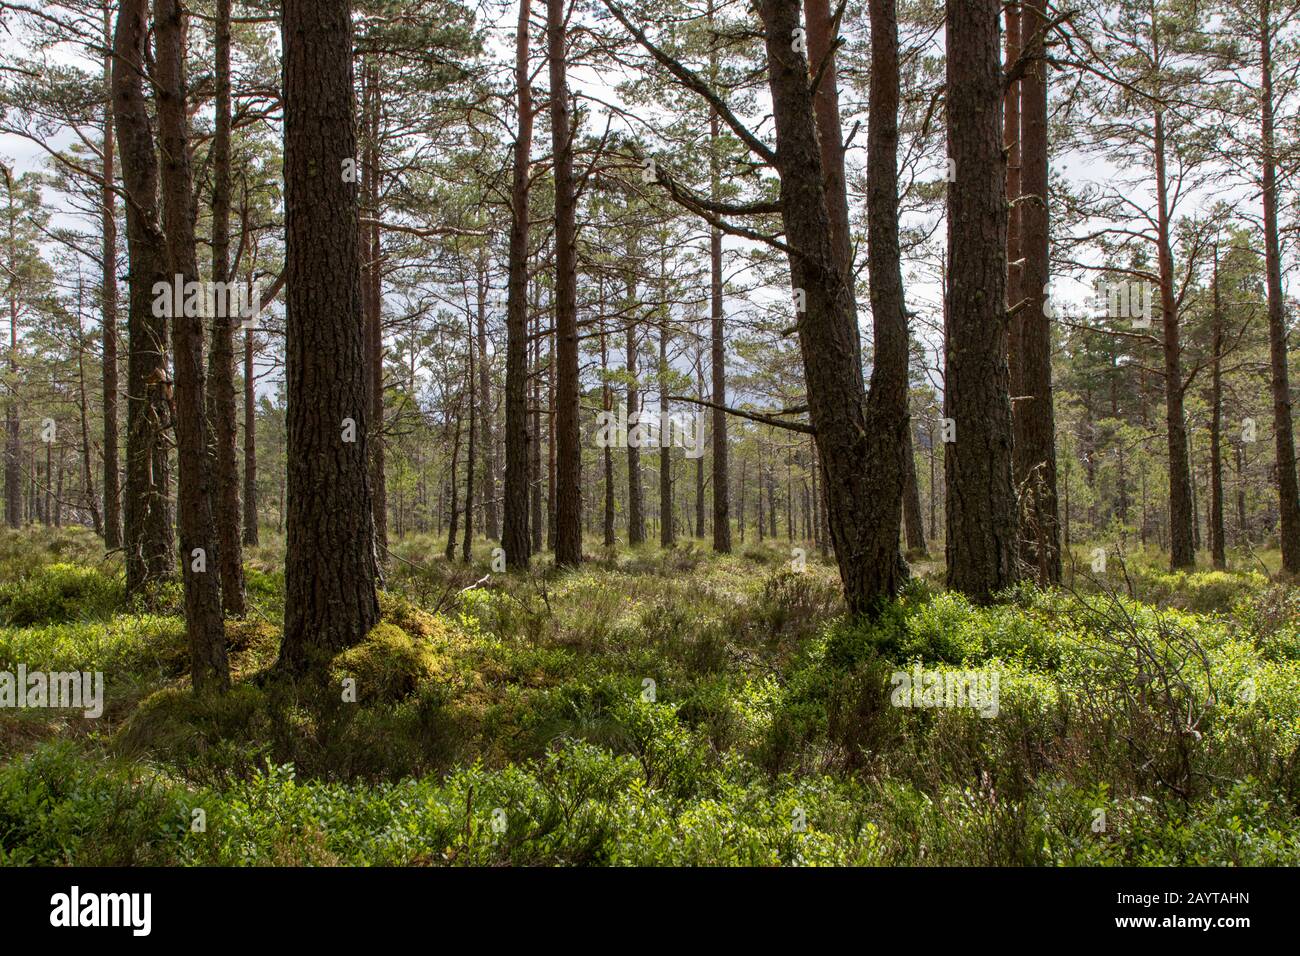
column 981, row 500
column 550, row 444
column 888, row 425
column 146, row 510
column 201, row 560
column 718, row 363
column 47, row 511
column 108, row 254
column 699, row 462
column 250, row 443
column 1182, row 548
column 87, row 449
column 635, row 491
column 913, row 530
column 221, row 358
column 453, row 491
column 1243, row 527
column 13, row 473
column 607, row 405
column 740, row 510
column 330, row 563
column 568, row 440
column 817, row 503
column 470, row 450
column 1012, row 139
column 888, row 301
column 491, row 524
column 860, row 440
column 1033, row 415
column 830, row 137
column 535, row 444
column 373, row 309
column 717, row 334
column 789, row 497
column 1218, row 552
column 934, row 487
column 1196, row 511
column 515, row 532
column 1284, row 435
column 58, row 492
column 1066, row 503
column 771, row 499
column 805, row 513
column 667, row 527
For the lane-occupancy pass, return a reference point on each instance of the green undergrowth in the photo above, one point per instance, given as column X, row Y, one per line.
column 661, row 708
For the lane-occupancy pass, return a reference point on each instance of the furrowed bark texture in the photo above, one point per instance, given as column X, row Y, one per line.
column 330, row 564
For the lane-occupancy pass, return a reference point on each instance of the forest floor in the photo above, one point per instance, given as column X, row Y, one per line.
column 664, row 707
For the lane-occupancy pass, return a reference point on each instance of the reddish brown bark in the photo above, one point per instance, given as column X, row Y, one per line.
column 568, row 447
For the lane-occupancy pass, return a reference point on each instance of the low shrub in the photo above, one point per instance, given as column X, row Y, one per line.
column 60, row 593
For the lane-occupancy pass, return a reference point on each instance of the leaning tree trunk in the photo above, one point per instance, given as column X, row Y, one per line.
column 515, row 532
column 830, row 136
column 200, row 546
column 568, row 447
column 330, row 564
column 981, row 499
column 860, row 442
column 888, row 302
column 146, row 516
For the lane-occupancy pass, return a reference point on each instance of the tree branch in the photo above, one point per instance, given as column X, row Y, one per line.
column 802, row 427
